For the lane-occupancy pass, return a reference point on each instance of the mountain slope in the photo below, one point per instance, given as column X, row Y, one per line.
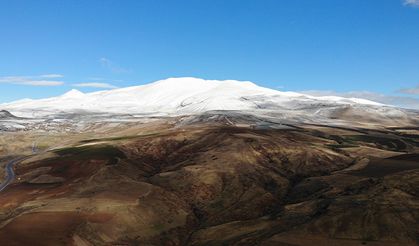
column 6, row 115
column 183, row 96
column 212, row 184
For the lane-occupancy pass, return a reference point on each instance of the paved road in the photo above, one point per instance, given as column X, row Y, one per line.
column 10, row 174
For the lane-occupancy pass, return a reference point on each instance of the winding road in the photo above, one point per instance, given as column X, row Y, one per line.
column 10, row 174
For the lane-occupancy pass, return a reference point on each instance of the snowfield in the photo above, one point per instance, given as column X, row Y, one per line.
column 175, row 97
column 179, row 96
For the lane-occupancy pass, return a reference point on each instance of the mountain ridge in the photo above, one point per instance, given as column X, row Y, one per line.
column 176, row 96
column 193, row 96
column 4, row 114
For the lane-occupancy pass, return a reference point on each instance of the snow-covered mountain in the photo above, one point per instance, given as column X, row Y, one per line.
column 5, row 115
column 182, row 96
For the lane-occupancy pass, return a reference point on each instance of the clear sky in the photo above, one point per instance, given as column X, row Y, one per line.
column 366, row 48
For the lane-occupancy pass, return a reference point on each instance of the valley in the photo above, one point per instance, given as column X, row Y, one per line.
column 220, row 178
column 209, row 123
column 186, row 161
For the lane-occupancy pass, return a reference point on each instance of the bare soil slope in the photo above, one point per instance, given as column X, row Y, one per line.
column 212, row 184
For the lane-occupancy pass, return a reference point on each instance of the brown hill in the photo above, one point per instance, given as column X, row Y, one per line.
column 209, row 184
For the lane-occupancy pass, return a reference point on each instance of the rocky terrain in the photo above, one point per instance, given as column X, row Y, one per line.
column 215, row 179
column 188, row 161
column 6, row 115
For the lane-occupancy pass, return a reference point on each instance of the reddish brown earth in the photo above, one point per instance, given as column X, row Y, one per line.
column 211, row 184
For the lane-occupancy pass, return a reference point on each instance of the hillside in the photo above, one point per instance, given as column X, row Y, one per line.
column 211, row 183
column 4, row 115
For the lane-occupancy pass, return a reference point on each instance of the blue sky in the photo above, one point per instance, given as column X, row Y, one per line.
column 366, row 48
